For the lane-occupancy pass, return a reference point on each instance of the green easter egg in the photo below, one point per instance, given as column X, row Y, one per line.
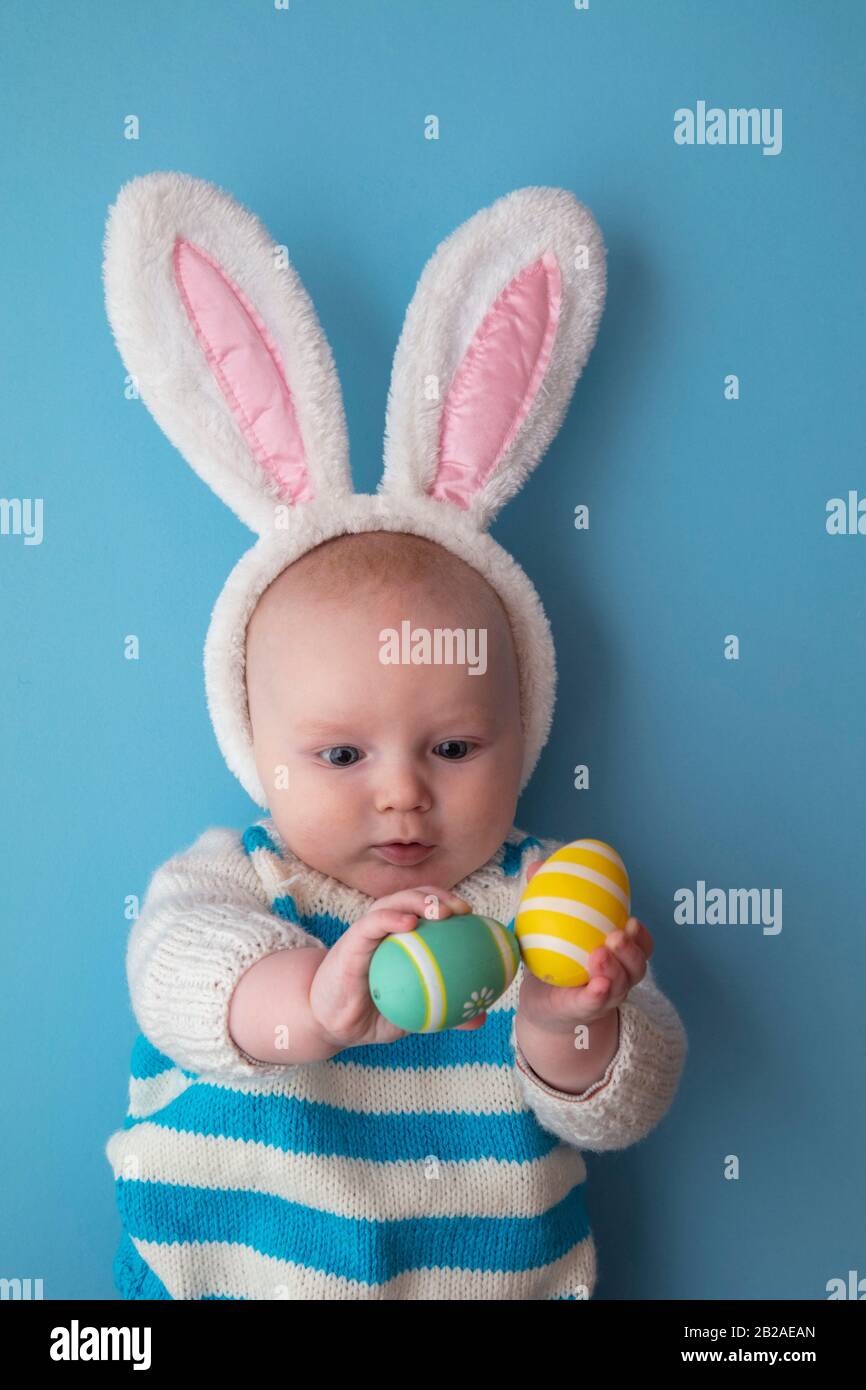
column 442, row 973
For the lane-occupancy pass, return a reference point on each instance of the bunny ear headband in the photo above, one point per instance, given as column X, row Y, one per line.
column 223, row 342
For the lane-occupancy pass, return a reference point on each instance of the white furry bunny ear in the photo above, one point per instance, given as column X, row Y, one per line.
column 498, row 331
column 217, row 330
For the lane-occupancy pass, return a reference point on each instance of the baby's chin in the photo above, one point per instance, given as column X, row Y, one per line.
column 372, row 875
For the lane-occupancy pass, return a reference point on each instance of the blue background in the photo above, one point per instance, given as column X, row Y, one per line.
column 707, row 518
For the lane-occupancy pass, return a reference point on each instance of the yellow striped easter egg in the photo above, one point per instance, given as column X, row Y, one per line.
column 568, row 907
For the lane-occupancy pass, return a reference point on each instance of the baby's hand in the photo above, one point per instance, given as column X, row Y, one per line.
column 614, row 969
column 340, row 998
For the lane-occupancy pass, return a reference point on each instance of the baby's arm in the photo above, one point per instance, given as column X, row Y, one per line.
column 269, row 1015
column 224, row 986
column 306, row 1005
column 638, row 1085
column 204, row 924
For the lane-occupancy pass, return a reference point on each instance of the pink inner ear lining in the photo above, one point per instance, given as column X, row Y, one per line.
column 497, row 380
column 247, row 366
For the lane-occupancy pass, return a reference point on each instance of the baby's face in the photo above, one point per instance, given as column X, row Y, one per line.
column 354, row 753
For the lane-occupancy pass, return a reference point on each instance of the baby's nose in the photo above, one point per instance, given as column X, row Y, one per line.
column 403, row 790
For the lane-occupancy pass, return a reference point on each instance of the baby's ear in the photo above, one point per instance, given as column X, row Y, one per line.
column 499, row 329
column 222, row 341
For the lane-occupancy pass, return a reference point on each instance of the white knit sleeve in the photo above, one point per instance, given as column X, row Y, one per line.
column 637, row 1088
column 204, row 921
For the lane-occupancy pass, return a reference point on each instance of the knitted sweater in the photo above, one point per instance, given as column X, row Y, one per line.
column 435, row 1167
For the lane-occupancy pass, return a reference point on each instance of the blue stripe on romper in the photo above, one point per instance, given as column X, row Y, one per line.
column 368, row 1251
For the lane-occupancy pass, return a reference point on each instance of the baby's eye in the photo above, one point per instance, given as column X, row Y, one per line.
column 461, row 746
column 341, row 761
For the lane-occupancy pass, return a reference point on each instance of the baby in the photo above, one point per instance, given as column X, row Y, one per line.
column 363, row 1162
column 284, row 1140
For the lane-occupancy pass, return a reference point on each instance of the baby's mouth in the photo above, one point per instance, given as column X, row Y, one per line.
column 395, row 852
